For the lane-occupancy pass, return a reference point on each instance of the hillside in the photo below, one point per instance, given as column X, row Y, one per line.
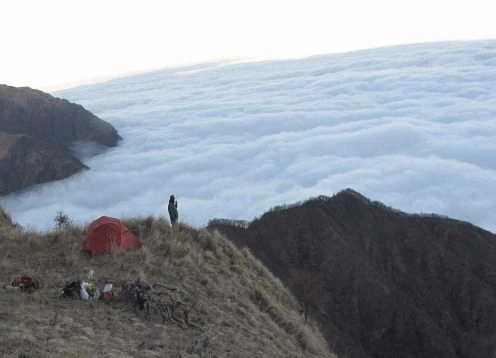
column 5, row 220
column 36, row 135
column 25, row 161
column 239, row 308
column 35, row 113
column 380, row 282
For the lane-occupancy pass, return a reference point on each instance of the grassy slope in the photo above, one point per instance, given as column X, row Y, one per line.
column 240, row 308
column 5, row 220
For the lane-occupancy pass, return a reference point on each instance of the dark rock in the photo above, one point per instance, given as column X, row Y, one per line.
column 380, row 282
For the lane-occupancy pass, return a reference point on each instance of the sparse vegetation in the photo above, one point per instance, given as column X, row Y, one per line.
column 5, row 219
column 234, row 223
column 236, row 307
column 62, row 220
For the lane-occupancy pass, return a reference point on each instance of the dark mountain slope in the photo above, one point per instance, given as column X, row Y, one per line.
column 25, row 161
column 38, row 114
column 36, row 131
column 380, row 282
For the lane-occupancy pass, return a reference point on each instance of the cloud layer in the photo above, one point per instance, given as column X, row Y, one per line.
column 411, row 126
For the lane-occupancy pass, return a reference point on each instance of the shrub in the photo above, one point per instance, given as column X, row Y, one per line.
column 62, row 220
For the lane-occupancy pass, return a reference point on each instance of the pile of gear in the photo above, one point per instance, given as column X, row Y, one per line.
column 88, row 290
column 163, row 300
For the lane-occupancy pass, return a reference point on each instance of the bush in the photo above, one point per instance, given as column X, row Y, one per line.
column 62, row 220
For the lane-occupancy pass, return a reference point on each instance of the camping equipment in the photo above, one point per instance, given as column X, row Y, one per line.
column 26, row 283
column 106, row 235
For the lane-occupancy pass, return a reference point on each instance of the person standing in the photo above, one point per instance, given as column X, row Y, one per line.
column 173, row 214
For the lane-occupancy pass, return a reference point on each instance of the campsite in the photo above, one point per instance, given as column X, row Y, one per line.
column 236, row 307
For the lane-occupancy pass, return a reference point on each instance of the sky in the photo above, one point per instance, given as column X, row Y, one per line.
column 54, row 44
column 411, row 126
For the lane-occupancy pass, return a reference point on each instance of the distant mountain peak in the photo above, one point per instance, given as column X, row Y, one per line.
column 345, row 197
column 351, row 193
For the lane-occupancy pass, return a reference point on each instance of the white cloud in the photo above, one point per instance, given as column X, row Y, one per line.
column 411, row 126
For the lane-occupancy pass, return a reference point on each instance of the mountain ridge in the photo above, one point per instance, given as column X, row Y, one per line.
column 382, row 283
column 24, row 110
column 37, row 131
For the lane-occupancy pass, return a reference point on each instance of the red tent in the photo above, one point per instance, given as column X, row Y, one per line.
column 106, row 235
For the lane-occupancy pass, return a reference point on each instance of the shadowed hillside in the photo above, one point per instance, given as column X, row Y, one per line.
column 28, row 111
column 237, row 307
column 37, row 132
column 25, row 160
column 380, row 282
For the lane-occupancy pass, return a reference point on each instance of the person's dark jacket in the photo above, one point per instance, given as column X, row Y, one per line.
column 173, row 214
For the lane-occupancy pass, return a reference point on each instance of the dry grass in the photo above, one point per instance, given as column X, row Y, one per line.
column 240, row 308
column 5, row 220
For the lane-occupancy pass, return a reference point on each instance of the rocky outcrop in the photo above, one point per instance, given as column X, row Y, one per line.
column 380, row 282
column 36, row 131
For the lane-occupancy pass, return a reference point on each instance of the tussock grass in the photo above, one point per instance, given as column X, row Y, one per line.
column 4, row 218
column 240, row 309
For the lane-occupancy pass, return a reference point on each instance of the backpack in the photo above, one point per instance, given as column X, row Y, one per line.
column 72, row 288
column 26, row 283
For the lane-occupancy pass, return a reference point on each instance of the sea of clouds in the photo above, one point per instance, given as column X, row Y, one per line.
column 411, row 126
